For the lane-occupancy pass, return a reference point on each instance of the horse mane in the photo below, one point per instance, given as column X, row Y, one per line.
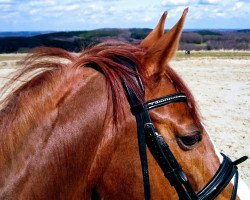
column 45, row 64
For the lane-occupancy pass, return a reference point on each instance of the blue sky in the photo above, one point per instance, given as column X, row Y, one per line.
column 57, row 15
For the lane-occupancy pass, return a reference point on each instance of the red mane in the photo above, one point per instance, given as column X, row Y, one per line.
column 52, row 60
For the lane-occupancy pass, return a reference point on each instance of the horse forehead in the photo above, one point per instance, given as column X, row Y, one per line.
column 159, row 88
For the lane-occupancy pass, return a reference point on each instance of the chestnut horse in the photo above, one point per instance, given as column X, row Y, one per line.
column 68, row 132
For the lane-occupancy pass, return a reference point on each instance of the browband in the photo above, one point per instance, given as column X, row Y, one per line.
column 162, row 101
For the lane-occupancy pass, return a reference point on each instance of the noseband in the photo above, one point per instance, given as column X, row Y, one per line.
column 150, row 137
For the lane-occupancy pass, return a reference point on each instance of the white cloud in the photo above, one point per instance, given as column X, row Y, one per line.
column 211, row 1
column 64, row 8
column 49, row 9
column 95, row 7
column 34, row 11
column 5, row 1
column 147, row 18
column 239, row 4
column 220, row 14
column 41, row 3
column 175, row 2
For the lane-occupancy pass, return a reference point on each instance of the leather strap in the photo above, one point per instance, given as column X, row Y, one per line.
column 139, row 116
column 162, row 101
column 167, row 162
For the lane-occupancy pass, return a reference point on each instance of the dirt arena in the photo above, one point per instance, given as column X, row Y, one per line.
column 221, row 86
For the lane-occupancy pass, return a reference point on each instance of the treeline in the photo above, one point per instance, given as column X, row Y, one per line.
column 77, row 40
column 208, row 40
column 71, row 41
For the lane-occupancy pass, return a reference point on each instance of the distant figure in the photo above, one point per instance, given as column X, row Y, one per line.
column 187, row 52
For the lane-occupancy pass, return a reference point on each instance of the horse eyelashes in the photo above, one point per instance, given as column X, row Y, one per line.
column 189, row 141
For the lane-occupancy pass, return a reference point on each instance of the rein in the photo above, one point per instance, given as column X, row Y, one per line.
column 148, row 136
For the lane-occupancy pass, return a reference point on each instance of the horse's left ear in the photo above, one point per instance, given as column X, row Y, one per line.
column 155, row 34
column 157, row 57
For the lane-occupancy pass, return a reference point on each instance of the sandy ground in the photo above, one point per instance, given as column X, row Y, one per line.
column 222, row 89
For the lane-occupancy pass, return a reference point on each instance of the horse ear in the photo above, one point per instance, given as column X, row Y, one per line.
column 157, row 57
column 155, row 34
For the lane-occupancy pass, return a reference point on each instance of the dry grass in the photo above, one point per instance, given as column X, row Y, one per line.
column 10, row 60
column 180, row 55
column 214, row 54
column 12, row 56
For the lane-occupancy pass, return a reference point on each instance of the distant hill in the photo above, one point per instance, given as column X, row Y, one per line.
column 77, row 40
column 244, row 30
column 23, row 33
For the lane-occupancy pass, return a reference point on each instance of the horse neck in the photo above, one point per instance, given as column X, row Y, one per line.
column 57, row 151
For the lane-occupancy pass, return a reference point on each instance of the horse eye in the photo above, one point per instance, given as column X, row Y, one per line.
column 188, row 142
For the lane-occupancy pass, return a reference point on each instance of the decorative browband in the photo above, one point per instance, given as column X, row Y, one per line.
column 178, row 97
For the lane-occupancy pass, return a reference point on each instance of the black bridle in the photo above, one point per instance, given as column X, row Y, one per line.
column 149, row 136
